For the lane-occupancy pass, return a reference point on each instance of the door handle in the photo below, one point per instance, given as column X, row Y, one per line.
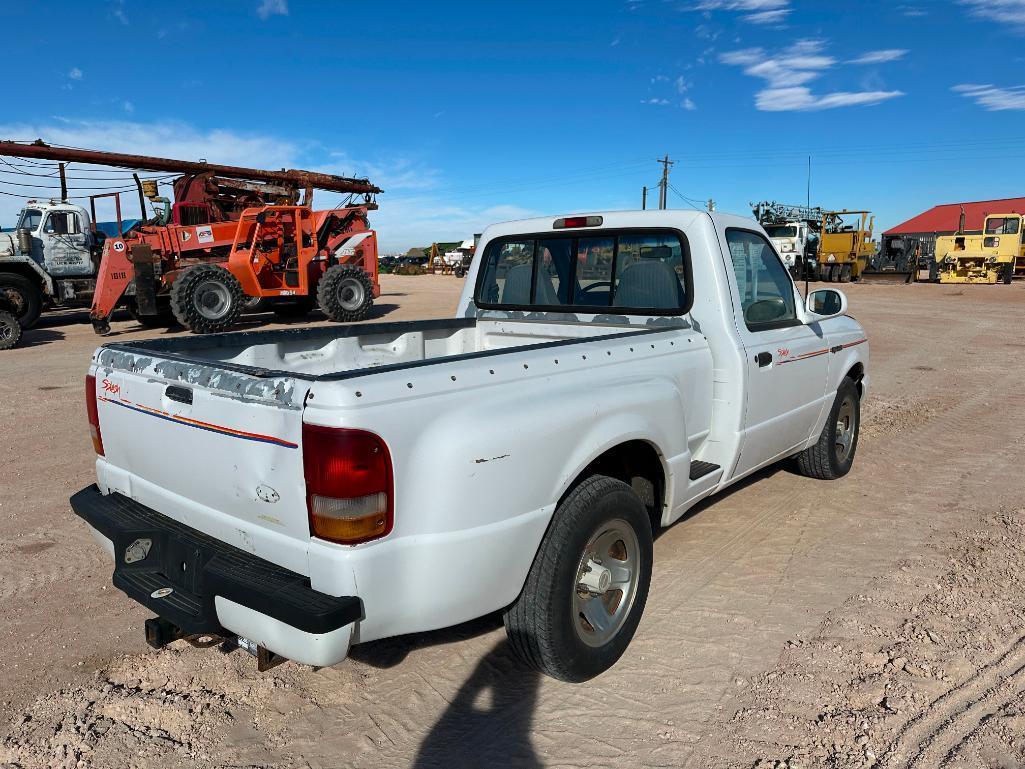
column 180, row 394
column 763, row 359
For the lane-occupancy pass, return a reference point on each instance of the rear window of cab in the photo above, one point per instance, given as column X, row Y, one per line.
column 632, row 272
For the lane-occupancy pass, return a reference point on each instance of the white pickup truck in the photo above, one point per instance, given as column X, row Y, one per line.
column 296, row 492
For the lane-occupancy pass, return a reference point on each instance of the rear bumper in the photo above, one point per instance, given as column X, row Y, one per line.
column 215, row 587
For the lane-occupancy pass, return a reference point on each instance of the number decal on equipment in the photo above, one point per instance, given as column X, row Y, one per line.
column 119, row 246
column 111, row 387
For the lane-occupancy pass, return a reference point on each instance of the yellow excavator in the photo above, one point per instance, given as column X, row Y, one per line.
column 845, row 248
column 997, row 255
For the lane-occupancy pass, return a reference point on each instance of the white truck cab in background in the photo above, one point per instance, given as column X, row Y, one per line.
column 49, row 260
column 300, row 491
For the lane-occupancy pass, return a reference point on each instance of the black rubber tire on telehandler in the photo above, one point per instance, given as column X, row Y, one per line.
column 823, row 460
column 206, row 299
column 345, row 293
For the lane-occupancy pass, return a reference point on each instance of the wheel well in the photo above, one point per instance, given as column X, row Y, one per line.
column 637, row 464
column 857, row 373
column 24, row 271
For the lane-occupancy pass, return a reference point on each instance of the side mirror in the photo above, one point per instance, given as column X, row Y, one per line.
column 825, row 303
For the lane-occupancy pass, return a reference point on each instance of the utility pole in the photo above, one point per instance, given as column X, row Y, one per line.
column 644, row 198
column 663, row 185
column 711, row 205
column 64, row 184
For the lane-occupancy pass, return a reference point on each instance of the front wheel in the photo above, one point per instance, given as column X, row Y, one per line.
column 23, row 298
column 587, row 587
column 345, row 293
column 833, row 454
column 206, row 299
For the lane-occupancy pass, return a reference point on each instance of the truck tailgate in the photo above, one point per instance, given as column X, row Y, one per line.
column 192, row 438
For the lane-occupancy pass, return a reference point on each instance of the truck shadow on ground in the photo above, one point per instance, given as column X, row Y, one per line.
column 36, row 337
column 489, row 720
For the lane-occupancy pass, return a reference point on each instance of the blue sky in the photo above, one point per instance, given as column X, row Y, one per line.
column 473, row 112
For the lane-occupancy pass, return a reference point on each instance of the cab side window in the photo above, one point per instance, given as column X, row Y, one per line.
column 766, row 290
column 62, row 223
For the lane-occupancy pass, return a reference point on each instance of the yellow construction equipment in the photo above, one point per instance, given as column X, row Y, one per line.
column 845, row 248
column 998, row 254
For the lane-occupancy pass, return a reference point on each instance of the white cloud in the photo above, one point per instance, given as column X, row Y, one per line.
column 755, row 11
column 803, row 100
column 688, row 104
column 75, row 73
column 880, row 57
column 991, row 98
column 1010, row 12
column 118, row 12
column 656, row 101
column 682, row 84
column 788, row 73
column 268, row 8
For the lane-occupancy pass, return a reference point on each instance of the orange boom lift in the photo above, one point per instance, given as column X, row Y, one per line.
column 232, row 237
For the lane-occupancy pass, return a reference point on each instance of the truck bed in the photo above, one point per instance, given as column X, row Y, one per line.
column 343, row 352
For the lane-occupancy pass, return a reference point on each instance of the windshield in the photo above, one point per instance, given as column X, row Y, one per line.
column 781, row 231
column 30, row 219
column 1002, row 226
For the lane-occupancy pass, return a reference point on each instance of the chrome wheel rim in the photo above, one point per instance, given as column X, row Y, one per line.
column 846, row 424
column 606, row 582
column 212, row 299
column 351, row 294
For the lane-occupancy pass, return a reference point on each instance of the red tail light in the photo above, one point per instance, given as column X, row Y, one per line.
column 92, row 411
column 349, row 494
column 572, row 222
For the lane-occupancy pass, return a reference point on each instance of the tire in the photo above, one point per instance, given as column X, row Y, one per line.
column 345, row 293
column 845, row 273
column 297, row 308
column 1009, row 274
column 546, row 624
column 10, row 330
column 206, row 299
column 24, row 296
column 830, row 458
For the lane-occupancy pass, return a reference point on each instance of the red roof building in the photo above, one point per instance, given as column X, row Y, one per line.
column 944, row 220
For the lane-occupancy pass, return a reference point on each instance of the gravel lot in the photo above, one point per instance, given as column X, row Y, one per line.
column 874, row 621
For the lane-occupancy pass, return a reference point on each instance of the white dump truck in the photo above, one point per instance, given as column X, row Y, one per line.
column 49, row 260
column 297, row 492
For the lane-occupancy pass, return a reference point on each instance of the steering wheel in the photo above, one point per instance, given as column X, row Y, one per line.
column 592, row 287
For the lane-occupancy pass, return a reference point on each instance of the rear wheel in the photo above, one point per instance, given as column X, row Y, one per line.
column 587, row 587
column 10, row 330
column 845, row 273
column 206, row 299
column 1008, row 273
column 832, row 456
column 22, row 297
column 345, row 293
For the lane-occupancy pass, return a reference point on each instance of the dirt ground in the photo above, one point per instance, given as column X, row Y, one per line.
column 874, row 621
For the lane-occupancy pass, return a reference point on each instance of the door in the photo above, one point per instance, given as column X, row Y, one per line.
column 64, row 248
column 787, row 360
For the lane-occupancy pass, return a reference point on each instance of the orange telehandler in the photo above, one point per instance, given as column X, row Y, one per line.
column 232, row 237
